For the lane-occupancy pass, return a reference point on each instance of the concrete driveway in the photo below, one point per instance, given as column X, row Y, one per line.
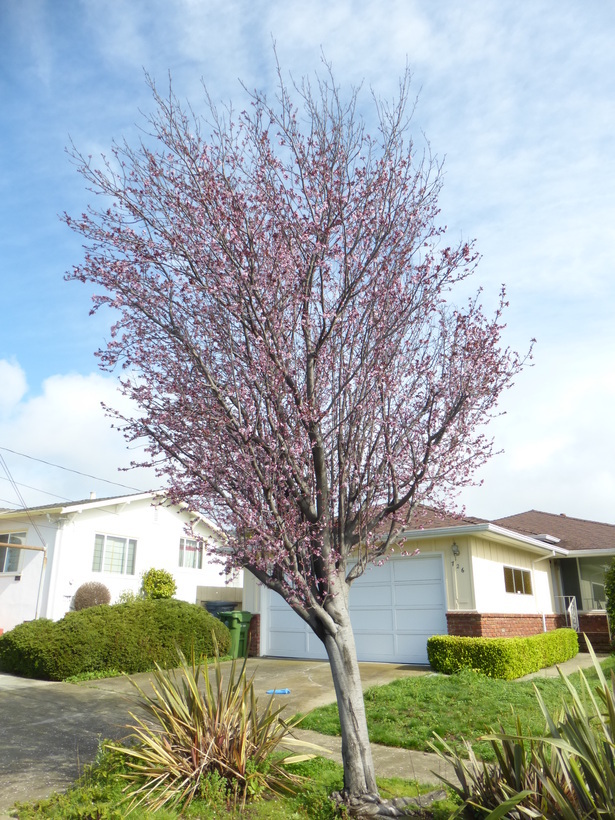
column 50, row 731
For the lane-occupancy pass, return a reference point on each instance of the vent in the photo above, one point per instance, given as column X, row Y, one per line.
column 550, row 539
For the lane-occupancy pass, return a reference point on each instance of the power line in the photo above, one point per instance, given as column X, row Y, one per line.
column 38, row 489
column 69, row 470
column 22, row 500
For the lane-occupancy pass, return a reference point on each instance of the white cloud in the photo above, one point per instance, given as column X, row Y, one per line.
column 66, row 425
column 14, row 386
column 557, row 436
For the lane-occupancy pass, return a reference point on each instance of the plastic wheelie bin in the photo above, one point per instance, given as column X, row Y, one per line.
column 238, row 624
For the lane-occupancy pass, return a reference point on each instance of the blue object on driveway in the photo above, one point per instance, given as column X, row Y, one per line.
column 278, row 691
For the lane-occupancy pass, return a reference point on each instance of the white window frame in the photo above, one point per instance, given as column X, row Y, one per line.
column 521, row 581
column 10, row 561
column 191, row 546
column 103, row 562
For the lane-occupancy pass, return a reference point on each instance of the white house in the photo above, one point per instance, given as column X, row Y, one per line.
column 47, row 552
column 516, row 576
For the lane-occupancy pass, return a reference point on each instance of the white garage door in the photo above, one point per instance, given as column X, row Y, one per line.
column 394, row 609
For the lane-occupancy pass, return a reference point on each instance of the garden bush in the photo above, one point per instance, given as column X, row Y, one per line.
column 158, row 583
column 131, row 637
column 92, row 593
column 505, row 658
column 609, row 591
column 21, row 648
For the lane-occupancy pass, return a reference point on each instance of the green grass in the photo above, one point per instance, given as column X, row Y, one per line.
column 408, row 711
column 98, row 796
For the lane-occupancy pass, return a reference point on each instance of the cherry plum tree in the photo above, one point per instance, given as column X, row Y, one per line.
column 285, row 312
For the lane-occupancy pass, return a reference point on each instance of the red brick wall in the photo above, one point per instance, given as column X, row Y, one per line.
column 254, row 637
column 481, row 625
column 596, row 628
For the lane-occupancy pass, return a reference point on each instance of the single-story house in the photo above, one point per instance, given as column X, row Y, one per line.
column 518, row 575
column 47, row 552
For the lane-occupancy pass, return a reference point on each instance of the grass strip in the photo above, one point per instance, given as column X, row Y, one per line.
column 406, row 712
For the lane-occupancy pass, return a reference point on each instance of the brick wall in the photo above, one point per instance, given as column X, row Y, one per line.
column 490, row 625
column 480, row 625
column 254, row 637
column 596, row 627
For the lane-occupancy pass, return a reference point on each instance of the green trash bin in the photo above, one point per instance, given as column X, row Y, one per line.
column 238, row 624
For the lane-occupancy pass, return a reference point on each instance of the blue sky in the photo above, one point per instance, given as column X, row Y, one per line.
column 517, row 97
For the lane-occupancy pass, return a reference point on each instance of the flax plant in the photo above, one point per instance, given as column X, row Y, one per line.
column 567, row 775
column 196, row 729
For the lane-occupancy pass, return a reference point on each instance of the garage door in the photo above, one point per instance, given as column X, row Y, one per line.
column 394, row 609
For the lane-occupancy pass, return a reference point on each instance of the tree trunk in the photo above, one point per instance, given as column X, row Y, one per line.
column 359, row 773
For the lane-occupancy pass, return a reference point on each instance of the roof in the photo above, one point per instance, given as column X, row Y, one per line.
column 72, row 506
column 537, row 531
column 428, row 518
column 573, row 533
column 93, row 503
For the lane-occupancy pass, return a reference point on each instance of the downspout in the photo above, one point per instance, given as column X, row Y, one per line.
column 40, row 583
column 537, row 561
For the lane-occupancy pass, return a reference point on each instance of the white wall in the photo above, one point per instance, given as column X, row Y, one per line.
column 488, row 562
column 157, row 531
column 19, row 592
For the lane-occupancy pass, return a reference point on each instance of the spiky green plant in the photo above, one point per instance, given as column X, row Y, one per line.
column 194, row 730
column 567, row 775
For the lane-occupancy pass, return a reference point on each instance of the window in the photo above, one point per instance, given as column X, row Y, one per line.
column 114, row 554
column 190, row 553
column 518, row 581
column 9, row 556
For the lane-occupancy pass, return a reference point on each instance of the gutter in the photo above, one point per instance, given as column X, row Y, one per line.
column 500, row 533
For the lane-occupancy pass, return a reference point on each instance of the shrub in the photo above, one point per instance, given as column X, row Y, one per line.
column 200, row 739
column 609, row 591
column 93, row 593
column 22, row 649
column 131, row 637
column 157, row 584
column 567, row 775
column 505, row 658
column 127, row 596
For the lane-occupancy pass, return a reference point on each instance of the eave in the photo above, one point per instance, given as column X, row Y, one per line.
column 493, row 532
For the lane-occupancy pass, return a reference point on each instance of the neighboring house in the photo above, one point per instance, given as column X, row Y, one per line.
column 515, row 576
column 47, row 552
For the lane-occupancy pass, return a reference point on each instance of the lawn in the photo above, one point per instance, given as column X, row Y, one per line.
column 407, row 712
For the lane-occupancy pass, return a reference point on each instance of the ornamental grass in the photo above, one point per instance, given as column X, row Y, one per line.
column 568, row 774
column 198, row 735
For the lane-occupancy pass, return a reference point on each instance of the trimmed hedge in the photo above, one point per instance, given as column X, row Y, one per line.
column 505, row 658
column 128, row 637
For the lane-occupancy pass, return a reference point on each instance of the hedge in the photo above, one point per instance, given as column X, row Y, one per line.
column 506, row 658
column 129, row 637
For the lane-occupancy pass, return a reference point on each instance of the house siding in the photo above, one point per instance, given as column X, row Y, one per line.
column 70, row 548
column 488, row 562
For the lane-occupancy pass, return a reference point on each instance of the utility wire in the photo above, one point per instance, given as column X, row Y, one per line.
column 38, row 490
column 22, row 501
column 69, row 470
